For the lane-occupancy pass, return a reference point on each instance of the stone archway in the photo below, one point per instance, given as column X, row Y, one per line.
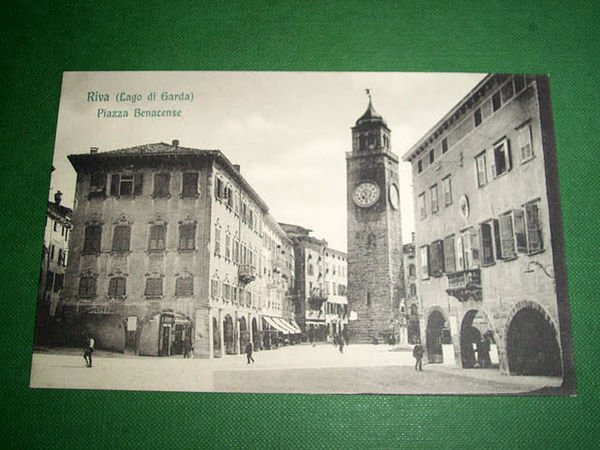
column 216, row 338
column 244, row 334
column 532, row 345
column 255, row 335
column 436, row 335
column 229, row 335
column 476, row 338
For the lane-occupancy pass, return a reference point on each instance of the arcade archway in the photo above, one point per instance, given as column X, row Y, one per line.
column 476, row 340
column 244, row 334
column 531, row 345
column 255, row 334
column 436, row 335
column 229, row 335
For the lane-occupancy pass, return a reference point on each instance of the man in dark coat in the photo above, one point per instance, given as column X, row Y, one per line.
column 418, row 352
column 249, row 350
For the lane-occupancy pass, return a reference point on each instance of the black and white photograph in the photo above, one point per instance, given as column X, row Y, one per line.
column 304, row 232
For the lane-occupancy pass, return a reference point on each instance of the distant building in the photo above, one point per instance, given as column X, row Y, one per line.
column 53, row 266
column 321, row 282
column 410, row 309
column 485, row 242
column 171, row 245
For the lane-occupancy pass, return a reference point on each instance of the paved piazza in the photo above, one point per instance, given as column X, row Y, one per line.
column 294, row 369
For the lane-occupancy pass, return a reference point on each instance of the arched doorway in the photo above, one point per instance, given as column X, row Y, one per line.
column 531, row 345
column 229, row 335
column 216, row 338
column 437, row 334
column 244, row 334
column 476, row 340
column 255, row 334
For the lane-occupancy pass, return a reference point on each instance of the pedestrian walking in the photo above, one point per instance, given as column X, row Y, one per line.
column 418, row 352
column 88, row 350
column 187, row 346
column 249, row 350
column 484, row 352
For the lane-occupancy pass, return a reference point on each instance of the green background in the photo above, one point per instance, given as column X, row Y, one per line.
column 39, row 40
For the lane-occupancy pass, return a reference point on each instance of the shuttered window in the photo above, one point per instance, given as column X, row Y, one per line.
column 519, row 229
column 534, row 229
column 190, row 184
column 449, row 255
column 92, row 239
column 487, row 245
column 460, row 254
column 436, row 258
column 184, row 286
column 161, row 184
column 475, row 250
column 187, row 237
column 525, row 146
column 507, row 238
column 117, row 287
column 121, row 238
column 157, row 237
column 502, row 158
column 154, row 287
column 87, row 287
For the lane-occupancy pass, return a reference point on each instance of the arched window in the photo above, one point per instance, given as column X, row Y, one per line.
column 413, row 290
column 411, row 270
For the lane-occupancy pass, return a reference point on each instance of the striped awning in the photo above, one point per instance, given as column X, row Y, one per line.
column 276, row 325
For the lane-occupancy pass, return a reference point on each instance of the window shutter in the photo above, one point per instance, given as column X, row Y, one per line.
column 475, row 248
column 138, row 182
column 114, row 184
column 487, row 249
column 507, row 238
column 534, row 230
column 497, row 240
column 508, row 156
column 519, row 228
column 449, row 257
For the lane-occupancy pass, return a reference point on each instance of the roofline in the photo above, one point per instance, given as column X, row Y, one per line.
column 410, row 153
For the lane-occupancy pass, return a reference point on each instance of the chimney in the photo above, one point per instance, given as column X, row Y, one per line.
column 57, row 198
column 175, row 143
column 237, row 167
column 93, row 150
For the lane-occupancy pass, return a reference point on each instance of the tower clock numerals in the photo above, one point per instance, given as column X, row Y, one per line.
column 366, row 194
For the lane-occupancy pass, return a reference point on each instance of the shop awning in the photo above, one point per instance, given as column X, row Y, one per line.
column 286, row 324
column 276, row 325
column 295, row 325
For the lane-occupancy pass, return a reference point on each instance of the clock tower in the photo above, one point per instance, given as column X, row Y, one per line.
column 375, row 278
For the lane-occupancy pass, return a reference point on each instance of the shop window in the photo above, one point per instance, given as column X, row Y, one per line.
column 92, row 239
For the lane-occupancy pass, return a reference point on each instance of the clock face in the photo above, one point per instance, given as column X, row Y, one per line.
column 366, row 194
column 394, row 196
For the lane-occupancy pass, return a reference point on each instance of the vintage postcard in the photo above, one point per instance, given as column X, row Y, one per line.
column 304, row 232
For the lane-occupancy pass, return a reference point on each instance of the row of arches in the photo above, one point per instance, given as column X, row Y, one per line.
column 232, row 342
column 529, row 344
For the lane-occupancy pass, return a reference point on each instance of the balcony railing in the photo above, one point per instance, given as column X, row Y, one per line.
column 247, row 273
column 465, row 285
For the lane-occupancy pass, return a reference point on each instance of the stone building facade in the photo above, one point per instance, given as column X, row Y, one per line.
column 52, row 270
column 321, row 283
column 375, row 278
column 486, row 247
column 410, row 309
column 171, row 247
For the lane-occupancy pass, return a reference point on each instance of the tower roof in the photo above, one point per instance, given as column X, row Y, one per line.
column 371, row 116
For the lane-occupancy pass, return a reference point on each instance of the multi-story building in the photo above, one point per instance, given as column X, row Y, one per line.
column 53, row 266
column 172, row 245
column 321, row 281
column 410, row 309
column 488, row 231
